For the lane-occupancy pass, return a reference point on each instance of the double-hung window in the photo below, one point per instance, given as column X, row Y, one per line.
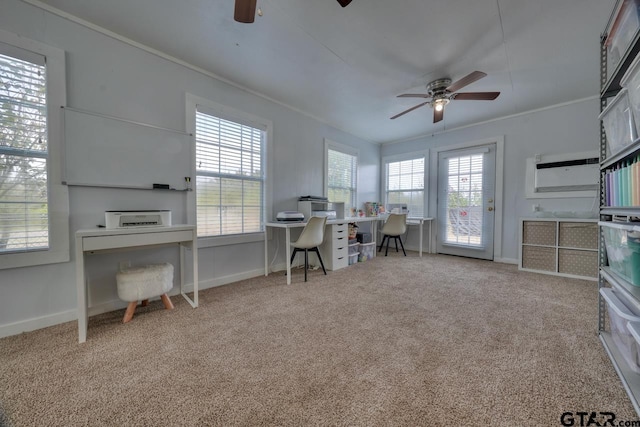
column 341, row 174
column 230, row 174
column 405, row 184
column 33, row 203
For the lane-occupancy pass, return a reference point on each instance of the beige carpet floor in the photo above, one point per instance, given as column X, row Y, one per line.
column 429, row 341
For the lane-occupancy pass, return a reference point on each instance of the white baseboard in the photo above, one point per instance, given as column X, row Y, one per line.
column 506, row 260
column 71, row 315
column 279, row 267
column 225, row 280
column 37, row 323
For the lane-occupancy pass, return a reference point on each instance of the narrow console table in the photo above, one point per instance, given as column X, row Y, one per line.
column 119, row 239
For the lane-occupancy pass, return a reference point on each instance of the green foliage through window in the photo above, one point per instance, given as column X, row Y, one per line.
column 405, row 184
column 24, row 216
column 230, row 177
column 342, row 170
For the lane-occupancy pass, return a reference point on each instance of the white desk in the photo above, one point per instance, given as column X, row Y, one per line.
column 420, row 222
column 108, row 240
column 289, row 225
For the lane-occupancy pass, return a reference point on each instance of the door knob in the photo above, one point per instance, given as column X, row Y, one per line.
column 490, row 208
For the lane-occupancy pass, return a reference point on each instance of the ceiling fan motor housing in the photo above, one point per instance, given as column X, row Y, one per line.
column 438, row 87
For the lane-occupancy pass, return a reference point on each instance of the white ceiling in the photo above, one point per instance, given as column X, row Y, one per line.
column 347, row 66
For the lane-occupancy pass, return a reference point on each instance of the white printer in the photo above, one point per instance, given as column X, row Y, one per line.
column 124, row 219
column 291, row 216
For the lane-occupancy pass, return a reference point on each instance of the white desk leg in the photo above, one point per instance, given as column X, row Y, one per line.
column 421, row 223
column 430, row 233
column 374, row 236
column 288, row 253
column 196, row 283
column 266, row 258
column 182, row 251
column 194, row 250
column 81, row 291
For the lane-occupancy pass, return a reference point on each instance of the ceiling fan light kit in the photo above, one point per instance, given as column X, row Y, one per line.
column 442, row 91
column 439, row 104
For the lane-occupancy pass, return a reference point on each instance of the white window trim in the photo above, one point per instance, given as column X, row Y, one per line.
column 399, row 158
column 328, row 144
column 58, row 194
column 192, row 101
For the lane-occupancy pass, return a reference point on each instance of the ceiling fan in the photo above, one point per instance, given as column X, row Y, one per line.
column 245, row 10
column 442, row 91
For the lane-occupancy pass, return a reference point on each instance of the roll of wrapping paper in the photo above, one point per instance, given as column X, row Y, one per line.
column 614, row 187
column 608, row 186
column 629, row 184
column 632, row 183
column 612, row 183
column 624, row 183
column 627, row 196
column 636, row 181
column 621, row 185
column 622, row 189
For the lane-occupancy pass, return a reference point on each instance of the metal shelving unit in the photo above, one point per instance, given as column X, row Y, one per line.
column 610, row 86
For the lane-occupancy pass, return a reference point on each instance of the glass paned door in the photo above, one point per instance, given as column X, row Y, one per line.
column 466, row 181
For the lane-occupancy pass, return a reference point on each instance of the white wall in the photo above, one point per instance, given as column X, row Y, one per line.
column 558, row 130
column 110, row 77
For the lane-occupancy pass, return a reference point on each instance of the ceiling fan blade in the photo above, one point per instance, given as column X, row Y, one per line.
column 344, row 3
column 409, row 110
column 245, row 11
column 476, row 96
column 438, row 115
column 466, row 80
column 414, row 95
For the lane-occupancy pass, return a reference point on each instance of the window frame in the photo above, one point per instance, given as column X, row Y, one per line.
column 227, row 113
column 345, row 149
column 57, row 193
column 400, row 158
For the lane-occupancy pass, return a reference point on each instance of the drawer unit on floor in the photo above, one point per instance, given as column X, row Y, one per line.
column 565, row 247
column 335, row 248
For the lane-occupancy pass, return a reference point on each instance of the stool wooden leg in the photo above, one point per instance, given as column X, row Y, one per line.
column 144, row 303
column 167, row 302
column 128, row 315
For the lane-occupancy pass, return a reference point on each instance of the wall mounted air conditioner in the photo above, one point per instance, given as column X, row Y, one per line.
column 567, row 175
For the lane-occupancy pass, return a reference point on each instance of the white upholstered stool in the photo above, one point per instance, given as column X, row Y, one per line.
column 141, row 283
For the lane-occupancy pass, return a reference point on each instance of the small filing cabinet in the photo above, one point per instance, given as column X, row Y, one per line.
column 335, row 248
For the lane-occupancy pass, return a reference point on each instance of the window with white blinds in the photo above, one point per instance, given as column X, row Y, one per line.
column 24, row 207
column 405, row 184
column 230, row 176
column 464, row 199
column 342, row 172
